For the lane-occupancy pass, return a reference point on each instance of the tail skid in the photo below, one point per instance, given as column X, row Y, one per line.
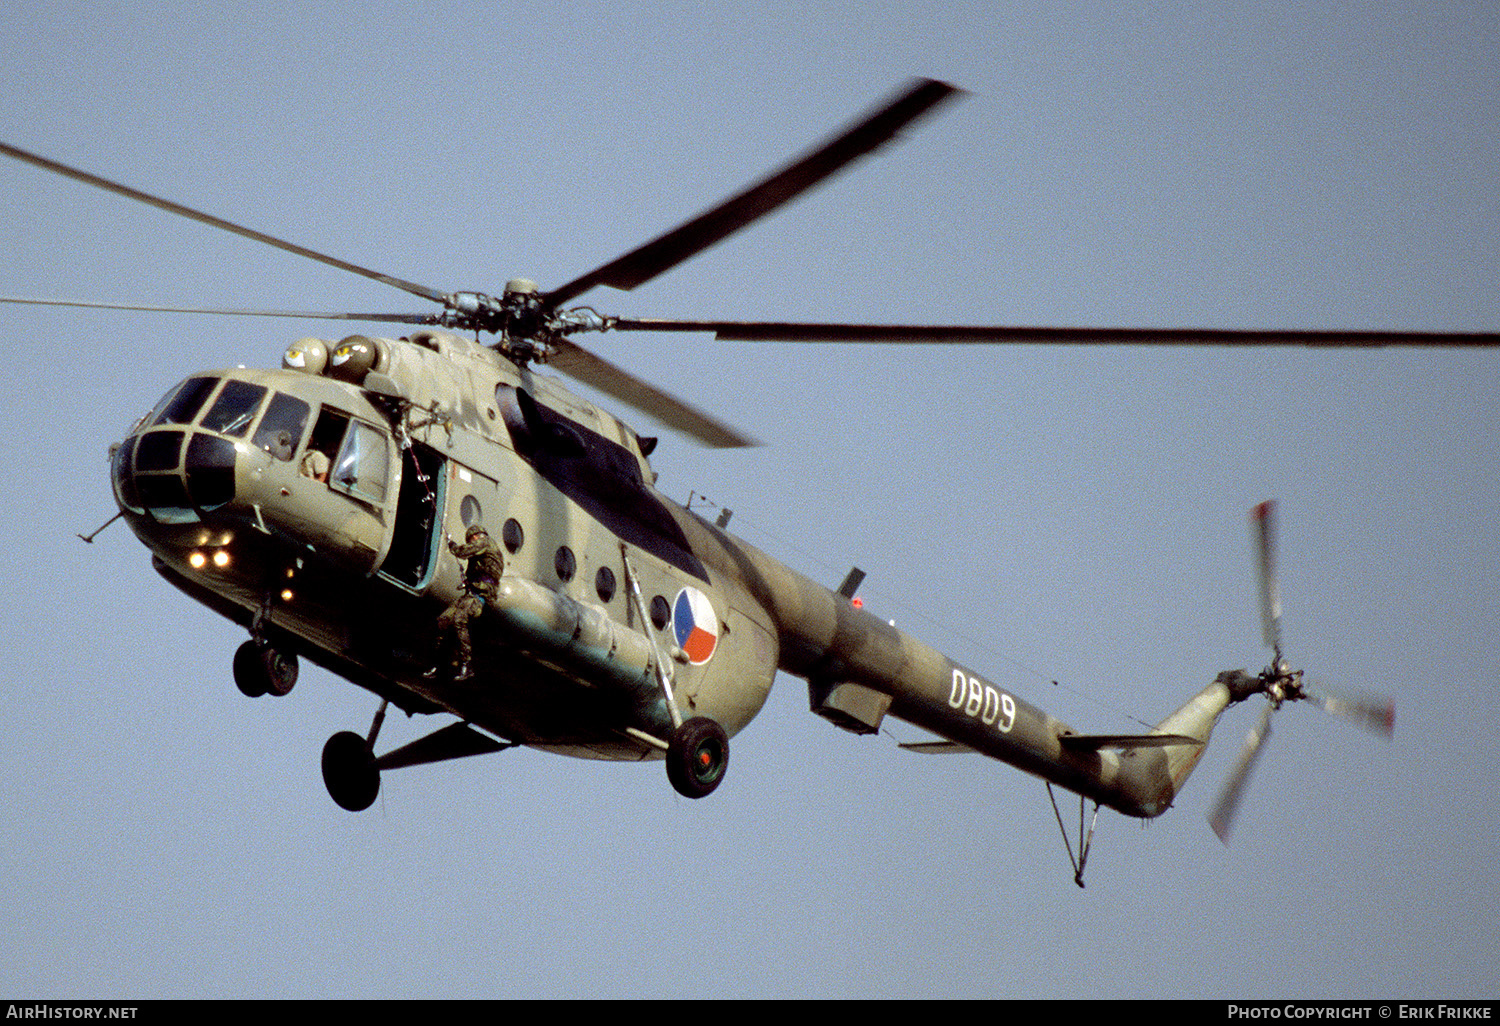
column 1183, row 736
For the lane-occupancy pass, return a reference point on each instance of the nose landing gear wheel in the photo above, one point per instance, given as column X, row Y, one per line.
column 261, row 669
column 349, row 771
column 697, row 757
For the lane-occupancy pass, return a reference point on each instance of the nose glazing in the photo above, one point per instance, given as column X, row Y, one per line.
column 176, row 476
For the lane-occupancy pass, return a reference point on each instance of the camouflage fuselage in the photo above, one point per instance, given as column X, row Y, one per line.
column 311, row 510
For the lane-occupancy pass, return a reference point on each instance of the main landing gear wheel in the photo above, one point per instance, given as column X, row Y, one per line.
column 697, row 757
column 349, row 771
column 261, row 669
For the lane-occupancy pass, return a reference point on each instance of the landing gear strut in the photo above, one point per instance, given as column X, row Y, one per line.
column 262, row 669
column 351, row 770
column 698, row 751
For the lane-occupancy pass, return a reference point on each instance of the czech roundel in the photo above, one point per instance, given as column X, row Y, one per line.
column 695, row 625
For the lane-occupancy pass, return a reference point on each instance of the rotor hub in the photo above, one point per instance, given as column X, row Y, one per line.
column 1281, row 683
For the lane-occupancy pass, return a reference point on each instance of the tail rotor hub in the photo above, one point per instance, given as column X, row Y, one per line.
column 1281, row 683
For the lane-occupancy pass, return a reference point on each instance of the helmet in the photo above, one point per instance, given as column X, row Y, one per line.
column 475, row 531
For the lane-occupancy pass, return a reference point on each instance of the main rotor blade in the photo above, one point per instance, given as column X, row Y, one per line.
column 216, row 222
column 646, row 262
column 961, row 334
column 407, row 318
column 1226, row 808
column 575, row 361
column 1263, row 519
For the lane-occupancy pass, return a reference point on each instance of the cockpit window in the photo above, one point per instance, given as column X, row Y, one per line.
column 235, row 408
column 186, row 401
column 119, row 466
column 161, row 404
column 281, row 428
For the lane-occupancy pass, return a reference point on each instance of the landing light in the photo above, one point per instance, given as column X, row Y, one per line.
column 198, row 560
column 286, row 594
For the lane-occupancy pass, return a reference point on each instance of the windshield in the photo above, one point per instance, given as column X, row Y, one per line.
column 235, row 408
column 185, row 402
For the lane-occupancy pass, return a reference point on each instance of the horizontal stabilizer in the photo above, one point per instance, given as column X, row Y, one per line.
column 936, row 747
column 1095, row 742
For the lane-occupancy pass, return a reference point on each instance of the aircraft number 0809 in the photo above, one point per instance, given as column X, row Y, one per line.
column 984, row 702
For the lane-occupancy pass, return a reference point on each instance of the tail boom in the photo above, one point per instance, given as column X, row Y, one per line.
column 859, row 668
column 1136, row 774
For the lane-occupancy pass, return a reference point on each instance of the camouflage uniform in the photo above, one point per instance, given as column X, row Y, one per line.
column 481, row 577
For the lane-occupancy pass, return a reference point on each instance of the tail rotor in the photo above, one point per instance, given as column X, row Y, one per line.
column 1280, row 683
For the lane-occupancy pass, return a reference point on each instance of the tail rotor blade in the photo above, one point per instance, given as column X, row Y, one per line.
column 1225, row 809
column 1263, row 519
column 1373, row 713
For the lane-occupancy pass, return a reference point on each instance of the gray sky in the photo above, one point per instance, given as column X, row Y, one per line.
column 1044, row 515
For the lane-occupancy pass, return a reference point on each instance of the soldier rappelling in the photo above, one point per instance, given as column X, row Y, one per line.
column 481, row 577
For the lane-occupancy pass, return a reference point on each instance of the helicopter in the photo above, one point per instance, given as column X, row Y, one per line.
column 311, row 504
